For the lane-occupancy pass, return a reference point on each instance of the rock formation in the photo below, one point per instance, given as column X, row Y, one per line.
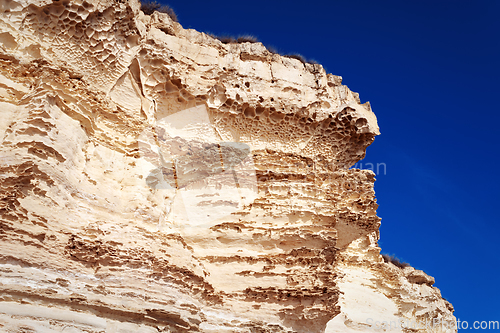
column 154, row 179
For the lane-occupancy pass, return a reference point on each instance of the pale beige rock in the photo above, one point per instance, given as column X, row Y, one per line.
column 155, row 179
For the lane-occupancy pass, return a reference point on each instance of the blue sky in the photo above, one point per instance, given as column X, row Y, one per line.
column 431, row 71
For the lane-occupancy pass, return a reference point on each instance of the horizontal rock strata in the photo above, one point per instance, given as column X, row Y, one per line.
column 154, row 179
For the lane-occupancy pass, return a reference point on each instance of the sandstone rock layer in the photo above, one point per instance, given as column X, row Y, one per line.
column 154, row 179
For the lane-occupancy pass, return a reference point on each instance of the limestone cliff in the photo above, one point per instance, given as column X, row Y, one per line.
column 154, row 179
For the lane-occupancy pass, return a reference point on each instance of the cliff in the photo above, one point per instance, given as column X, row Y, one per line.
column 155, row 179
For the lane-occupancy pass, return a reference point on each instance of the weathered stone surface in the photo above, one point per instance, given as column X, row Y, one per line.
column 154, row 179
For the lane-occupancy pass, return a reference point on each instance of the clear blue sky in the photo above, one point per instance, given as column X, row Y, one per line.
column 431, row 71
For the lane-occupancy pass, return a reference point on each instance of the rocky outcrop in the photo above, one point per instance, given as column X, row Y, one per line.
column 154, row 179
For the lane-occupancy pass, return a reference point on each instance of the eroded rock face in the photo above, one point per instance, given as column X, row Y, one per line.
column 154, row 179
